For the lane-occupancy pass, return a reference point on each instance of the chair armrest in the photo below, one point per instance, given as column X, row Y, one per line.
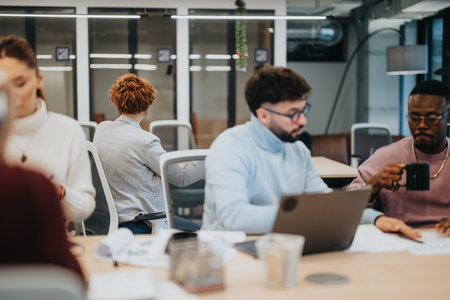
column 150, row 216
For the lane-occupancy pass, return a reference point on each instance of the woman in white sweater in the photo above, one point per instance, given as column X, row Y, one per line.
column 43, row 141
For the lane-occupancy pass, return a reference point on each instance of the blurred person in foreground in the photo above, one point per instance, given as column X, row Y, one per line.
column 43, row 141
column 32, row 226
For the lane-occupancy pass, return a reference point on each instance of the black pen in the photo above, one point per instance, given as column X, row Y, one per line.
column 409, row 238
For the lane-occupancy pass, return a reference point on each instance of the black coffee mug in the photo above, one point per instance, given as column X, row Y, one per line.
column 418, row 176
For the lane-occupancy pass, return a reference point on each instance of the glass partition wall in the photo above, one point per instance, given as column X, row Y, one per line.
column 54, row 43
column 118, row 47
column 147, row 47
column 217, row 86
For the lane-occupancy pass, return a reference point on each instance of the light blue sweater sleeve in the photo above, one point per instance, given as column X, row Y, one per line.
column 228, row 169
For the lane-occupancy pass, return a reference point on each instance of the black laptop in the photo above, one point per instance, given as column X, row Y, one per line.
column 328, row 221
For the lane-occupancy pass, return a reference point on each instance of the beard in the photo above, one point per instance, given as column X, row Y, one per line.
column 285, row 136
column 428, row 143
column 423, row 143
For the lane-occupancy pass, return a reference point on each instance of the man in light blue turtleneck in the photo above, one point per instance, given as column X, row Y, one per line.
column 251, row 166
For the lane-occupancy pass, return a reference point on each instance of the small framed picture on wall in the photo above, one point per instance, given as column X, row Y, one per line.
column 261, row 55
column 163, row 55
column 62, row 53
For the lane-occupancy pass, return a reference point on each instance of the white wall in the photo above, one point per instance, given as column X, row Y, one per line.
column 385, row 105
column 58, row 97
column 408, row 81
column 383, row 89
column 324, row 80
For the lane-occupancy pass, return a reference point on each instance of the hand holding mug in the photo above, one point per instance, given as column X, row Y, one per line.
column 387, row 177
column 417, row 177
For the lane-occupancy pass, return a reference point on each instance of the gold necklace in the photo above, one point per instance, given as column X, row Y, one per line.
column 24, row 156
column 442, row 165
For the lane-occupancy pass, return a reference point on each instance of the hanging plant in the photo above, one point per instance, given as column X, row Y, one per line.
column 241, row 36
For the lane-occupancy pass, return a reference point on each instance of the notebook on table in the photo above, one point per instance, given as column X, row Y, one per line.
column 328, row 221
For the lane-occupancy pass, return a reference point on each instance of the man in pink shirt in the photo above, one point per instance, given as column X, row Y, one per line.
column 393, row 208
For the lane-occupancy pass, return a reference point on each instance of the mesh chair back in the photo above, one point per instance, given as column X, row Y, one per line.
column 186, row 202
column 366, row 138
column 104, row 219
column 89, row 129
column 40, row 282
column 174, row 135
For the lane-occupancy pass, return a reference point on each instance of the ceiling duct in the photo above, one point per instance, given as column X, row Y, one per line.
column 335, row 8
column 407, row 9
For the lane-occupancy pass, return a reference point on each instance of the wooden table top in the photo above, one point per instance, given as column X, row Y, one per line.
column 395, row 275
column 328, row 168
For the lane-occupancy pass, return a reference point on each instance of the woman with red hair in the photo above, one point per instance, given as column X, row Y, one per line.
column 130, row 157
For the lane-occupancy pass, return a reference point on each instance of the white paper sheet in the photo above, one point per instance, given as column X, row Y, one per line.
column 150, row 251
column 434, row 244
column 114, row 244
column 138, row 284
column 143, row 252
column 369, row 238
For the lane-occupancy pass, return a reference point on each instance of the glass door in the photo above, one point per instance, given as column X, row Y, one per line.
column 53, row 41
column 217, row 86
column 121, row 46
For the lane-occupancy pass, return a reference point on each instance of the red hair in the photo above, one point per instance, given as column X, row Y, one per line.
column 132, row 94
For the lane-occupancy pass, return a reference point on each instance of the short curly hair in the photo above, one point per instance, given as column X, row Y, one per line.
column 132, row 94
column 432, row 87
column 273, row 85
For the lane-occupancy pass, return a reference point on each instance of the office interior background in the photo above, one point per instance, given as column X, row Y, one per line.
column 191, row 63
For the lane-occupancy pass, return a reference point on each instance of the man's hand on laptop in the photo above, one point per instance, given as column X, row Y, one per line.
column 387, row 224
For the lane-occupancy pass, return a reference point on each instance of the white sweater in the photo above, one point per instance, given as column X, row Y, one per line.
column 54, row 145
